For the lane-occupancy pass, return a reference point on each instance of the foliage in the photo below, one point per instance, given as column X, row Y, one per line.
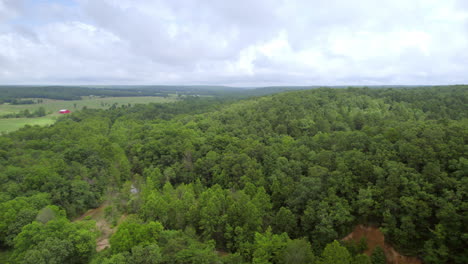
column 272, row 179
column 335, row 253
column 56, row 241
column 26, row 113
column 18, row 212
column 378, row 256
column 132, row 233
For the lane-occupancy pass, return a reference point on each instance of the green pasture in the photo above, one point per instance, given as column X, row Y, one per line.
column 53, row 106
column 12, row 124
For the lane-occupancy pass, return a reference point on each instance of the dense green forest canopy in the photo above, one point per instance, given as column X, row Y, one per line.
column 272, row 179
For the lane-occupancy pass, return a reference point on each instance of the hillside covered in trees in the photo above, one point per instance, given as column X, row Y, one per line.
column 23, row 94
column 273, row 179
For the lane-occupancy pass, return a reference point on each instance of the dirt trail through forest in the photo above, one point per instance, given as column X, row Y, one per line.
column 102, row 225
column 376, row 238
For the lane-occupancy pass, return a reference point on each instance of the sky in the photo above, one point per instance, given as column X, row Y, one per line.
column 234, row 43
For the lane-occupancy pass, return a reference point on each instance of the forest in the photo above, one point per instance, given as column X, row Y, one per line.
column 23, row 94
column 279, row 178
column 14, row 94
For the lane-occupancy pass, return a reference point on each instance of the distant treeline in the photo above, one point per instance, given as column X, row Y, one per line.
column 9, row 94
column 22, row 102
column 12, row 94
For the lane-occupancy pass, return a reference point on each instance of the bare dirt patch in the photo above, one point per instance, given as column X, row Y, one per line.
column 97, row 214
column 376, row 238
column 93, row 213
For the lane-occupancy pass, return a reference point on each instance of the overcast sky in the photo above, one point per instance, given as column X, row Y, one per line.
column 237, row 43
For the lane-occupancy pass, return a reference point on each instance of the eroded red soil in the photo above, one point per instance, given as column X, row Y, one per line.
column 376, row 238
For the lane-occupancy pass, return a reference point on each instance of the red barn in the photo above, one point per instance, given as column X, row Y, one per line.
column 64, row 111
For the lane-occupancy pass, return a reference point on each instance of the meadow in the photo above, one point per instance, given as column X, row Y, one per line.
column 12, row 124
column 52, row 107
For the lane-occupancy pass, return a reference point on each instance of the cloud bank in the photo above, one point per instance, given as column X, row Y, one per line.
column 239, row 43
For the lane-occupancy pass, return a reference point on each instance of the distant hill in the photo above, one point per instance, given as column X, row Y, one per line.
column 8, row 93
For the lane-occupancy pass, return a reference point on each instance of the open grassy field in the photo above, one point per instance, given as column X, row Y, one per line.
column 12, row 124
column 53, row 106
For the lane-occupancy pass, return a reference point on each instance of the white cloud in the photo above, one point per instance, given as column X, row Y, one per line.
column 234, row 43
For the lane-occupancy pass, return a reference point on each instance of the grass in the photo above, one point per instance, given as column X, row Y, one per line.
column 12, row 124
column 53, row 106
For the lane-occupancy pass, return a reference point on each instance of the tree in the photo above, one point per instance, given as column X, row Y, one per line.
column 361, row 259
column 435, row 249
column 150, row 254
column 57, row 241
column 268, row 247
column 284, row 221
column 378, row 256
column 132, row 233
column 212, row 217
column 297, row 251
column 18, row 212
column 334, row 253
column 49, row 213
